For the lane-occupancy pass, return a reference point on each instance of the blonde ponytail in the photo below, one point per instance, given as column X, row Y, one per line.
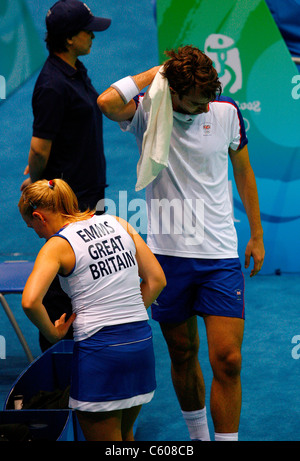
column 54, row 195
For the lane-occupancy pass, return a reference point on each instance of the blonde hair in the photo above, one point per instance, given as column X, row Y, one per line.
column 54, row 195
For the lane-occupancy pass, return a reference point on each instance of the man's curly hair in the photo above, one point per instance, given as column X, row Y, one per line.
column 187, row 68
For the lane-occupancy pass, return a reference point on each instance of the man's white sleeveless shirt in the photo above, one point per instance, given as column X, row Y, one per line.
column 189, row 206
column 104, row 285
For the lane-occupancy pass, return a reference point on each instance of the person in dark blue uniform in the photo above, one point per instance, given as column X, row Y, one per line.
column 67, row 138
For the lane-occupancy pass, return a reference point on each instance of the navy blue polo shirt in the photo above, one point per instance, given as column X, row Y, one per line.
column 65, row 111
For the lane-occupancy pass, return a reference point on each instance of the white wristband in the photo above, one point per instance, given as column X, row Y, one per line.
column 127, row 88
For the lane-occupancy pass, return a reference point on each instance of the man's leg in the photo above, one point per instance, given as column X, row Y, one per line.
column 225, row 336
column 183, row 344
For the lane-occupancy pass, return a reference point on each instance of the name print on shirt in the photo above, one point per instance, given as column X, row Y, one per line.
column 110, row 253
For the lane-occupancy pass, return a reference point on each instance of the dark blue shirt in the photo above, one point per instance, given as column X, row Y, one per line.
column 65, row 111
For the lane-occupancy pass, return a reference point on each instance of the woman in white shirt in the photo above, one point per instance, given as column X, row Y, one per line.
column 100, row 261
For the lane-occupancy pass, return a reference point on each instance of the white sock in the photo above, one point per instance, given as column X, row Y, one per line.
column 196, row 422
column 230, row 437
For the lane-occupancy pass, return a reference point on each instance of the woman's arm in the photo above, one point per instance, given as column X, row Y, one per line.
column 37, row 161
column 48, row 263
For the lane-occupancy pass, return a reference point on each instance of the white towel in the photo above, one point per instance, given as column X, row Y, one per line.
column 156, row 140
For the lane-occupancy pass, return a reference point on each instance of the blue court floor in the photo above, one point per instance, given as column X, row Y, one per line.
column 271, row 365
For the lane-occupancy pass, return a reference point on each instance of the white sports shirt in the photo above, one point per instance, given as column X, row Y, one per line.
column 188, row 204
column 104, row 285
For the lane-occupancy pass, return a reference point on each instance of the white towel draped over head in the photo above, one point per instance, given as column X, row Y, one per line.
column 156, row 140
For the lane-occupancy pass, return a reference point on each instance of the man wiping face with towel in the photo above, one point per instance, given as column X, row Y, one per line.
column 185, row 133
